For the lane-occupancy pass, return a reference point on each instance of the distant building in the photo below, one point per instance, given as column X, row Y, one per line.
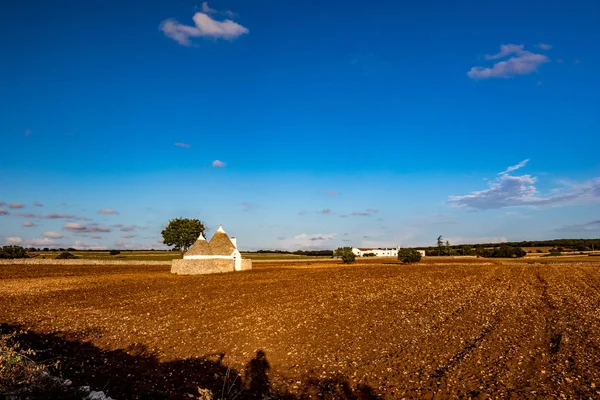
column 219, row 255
column 379, row 251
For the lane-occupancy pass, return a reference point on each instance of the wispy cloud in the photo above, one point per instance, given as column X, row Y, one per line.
column 218, row 164
column 53, row 235
column 515, row 167
column 27, row 132
column 184, row 145
column 367, row 213
column 325, row 211
column 18, row 241
column 207, row 10
column 332, row 193
column 60, row 216
column 522, row 62
column 107, row 211
column 544, row 46
column 591, row 226
column 27, row 215
column 89, row 228
column 4, row 212
column 205, row 26
column 38, row 204
column 29, row 224
column 246, row 206
column 88, row 246
column 13, row 240
column 520, row 190
column 130, row 228
column 15, row 205
column 302, row 212
column 2, row 203
column 307, row 241
column 132, row 235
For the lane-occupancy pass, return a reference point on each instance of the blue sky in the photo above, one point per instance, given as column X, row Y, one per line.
column 299, row 124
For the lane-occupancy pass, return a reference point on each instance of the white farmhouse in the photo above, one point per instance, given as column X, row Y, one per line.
column 379, row 252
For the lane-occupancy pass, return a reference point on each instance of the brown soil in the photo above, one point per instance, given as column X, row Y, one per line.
column 438, row 329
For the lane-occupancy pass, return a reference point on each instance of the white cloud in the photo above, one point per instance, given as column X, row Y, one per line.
column 15, row 205
column 60, row 216
column 183, row 145
column 207, row 10
column 325, row 211
column 13, row 240
column 515, row 191
column 89, row 228
column 515, row 167
column 506, row 50
column 367, row 213
column 307, row 241
column 28, row 224
column 107, row 211
column 544, row 46
column 591, row 226
column 53, row 235
column 332, row 193
column 4, row 212
column 218, row 163
column 205, row 27
column 88, row 246
column 522, row 62
column 38, row 204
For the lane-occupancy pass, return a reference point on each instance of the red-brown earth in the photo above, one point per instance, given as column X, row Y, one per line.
column 436, row 329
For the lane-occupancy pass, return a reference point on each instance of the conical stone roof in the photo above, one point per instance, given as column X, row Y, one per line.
column 220, row 244
column 199, row 248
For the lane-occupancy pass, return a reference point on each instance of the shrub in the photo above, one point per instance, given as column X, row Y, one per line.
column 369, row 255
column 65, row 255
column 114, row 252
column 13, row 252
column 556, row 252
column 409, row 256
column 346, row 254
column 539, row 251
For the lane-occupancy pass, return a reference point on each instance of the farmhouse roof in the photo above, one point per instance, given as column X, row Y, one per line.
column 220, row 244
column 200, row 248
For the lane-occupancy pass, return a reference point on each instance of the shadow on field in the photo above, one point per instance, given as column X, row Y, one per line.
column 134, row 373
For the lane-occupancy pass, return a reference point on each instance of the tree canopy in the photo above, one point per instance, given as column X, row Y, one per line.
column 182, row 233
column 346, row 254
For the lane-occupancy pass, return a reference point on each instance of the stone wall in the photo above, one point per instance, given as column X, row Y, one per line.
column 49, row 261
column 246, row 264
column 199, row 267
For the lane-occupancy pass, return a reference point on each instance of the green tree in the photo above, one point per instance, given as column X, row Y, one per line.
column 409, row 256
column 440, row 245
column 182, row 233
column 346, row 254
column 65, row 255
column 13, row 252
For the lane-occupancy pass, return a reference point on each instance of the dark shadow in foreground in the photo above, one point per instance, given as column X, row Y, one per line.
column 133, row 373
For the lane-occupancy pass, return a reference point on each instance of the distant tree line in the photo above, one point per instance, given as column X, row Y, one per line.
column 13, row 252
column 444, row 248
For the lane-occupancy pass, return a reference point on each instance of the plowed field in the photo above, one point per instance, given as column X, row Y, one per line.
column 470, row 328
